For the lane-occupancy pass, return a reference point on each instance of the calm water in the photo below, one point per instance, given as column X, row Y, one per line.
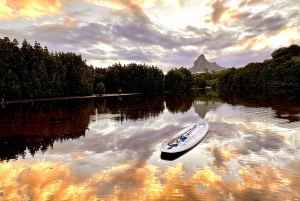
column 109, row 148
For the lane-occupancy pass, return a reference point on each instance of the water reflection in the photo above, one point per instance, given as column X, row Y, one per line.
column 285, row 102
column 249, row 153
column 131, row 108
column 178, row 102
column 56, row 181
column 36, row 126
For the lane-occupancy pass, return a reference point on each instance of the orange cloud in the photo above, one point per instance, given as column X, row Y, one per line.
column 207, row 177
column 218, row 10
column 15, row 9
column 71, row 23
column 45, row 180
column 125, row 4
column 221, row 155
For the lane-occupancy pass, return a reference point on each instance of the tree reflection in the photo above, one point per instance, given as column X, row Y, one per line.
column 35, row 126
column 182, row 102
column 285, row 102
column 179, row 102
column 132, row 108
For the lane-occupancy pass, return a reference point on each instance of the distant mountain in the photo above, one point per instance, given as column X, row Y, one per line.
column 201, row 63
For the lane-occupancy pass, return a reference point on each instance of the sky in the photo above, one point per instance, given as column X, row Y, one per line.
column 164, row 33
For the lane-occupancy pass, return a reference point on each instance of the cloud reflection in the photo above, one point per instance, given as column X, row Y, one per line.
column 44, row 180
column 248, row 154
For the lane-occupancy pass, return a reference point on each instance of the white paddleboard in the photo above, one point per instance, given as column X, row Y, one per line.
column 186, row 138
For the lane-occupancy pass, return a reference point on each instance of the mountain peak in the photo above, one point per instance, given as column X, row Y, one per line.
column 201, row 56
column 201, row 64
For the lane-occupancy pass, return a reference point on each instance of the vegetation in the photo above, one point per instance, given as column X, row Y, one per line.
column 283, row 70
column 179, row 102
column 134, row 78
column 178, row 79
column 29, row 72
column 100, row 88
column 33, row 72
column 207, row 79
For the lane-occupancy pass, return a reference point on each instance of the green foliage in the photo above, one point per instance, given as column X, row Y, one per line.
column 283, row 70
column 203, row 80
column 213, row 83
column 100, row 88
column 9, row 85
column 286, row 53
column 31, row 72
column 133, row 78
column 226, row 80
column 178, row 79
column 199, row 81
column 79, row 77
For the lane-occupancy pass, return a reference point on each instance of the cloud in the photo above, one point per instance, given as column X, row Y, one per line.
column 218, row 9
column 243, row 57
column 144, row 34
column 71, row 23
column 6, row 12
column 121, row 5
column 46, row 180
column 222, row 155
column 257, row 143
column 258, row 23
column 29, row 9
column 250, row 2
column 104, row 33
column 210, row 41
column 135, row 5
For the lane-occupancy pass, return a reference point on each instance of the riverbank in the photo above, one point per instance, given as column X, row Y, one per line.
column 66, row 98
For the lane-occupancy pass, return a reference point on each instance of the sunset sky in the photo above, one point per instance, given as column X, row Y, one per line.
column 165, row 33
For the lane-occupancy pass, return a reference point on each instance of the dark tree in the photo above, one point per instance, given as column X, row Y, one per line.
column 100, row 88
column 178, row 79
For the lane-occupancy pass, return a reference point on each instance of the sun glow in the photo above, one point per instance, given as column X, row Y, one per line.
column 14, row 9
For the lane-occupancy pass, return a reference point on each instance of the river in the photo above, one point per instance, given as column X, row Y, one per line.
column 108, row 148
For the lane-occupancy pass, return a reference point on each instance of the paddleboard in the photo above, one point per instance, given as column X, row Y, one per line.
column 186, row 138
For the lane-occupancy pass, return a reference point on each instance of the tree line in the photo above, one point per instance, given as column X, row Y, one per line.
column 35, row 72
column 281, row 71
column 32, row 71
column 131, row 78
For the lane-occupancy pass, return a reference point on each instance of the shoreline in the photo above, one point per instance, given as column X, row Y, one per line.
column 66, row 98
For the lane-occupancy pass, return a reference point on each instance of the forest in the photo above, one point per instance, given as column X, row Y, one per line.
column 281, row 71
column 35, row 72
